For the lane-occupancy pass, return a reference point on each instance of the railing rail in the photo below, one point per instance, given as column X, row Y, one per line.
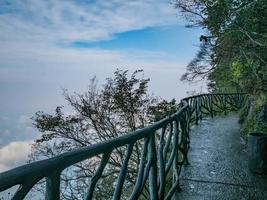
column 164, row 150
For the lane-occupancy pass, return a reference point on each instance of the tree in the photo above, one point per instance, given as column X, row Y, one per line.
column 236, row 33
column 122, row 105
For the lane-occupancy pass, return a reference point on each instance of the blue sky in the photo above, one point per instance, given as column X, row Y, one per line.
column 47, row 45
column 168, row 39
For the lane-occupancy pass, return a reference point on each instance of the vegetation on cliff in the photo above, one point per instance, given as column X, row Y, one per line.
column 233, row 53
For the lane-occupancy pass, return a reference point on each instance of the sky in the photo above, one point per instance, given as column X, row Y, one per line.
column 48, row 45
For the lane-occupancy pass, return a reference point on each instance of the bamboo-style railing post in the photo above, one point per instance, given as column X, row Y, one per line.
column 153, row 186
column 53, row 186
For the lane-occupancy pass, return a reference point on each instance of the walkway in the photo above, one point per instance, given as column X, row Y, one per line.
column 218, row 164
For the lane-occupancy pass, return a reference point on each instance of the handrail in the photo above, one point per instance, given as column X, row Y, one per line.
column 163, row 154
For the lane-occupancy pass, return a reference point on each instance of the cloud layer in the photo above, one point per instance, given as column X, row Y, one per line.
column 80, row 19
column 14, row 154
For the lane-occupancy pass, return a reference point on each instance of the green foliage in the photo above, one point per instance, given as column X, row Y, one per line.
column 253, row 116
column 163, row 109
column 236, row 37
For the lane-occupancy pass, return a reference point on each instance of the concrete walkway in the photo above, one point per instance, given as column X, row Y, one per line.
column 219, row 164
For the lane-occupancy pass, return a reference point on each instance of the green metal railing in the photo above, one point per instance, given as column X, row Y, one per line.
column 164, row 147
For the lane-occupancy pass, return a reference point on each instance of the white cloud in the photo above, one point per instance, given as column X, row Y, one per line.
column 14, row 154
column 33, row 34
column 55, row 20
column 71, row 68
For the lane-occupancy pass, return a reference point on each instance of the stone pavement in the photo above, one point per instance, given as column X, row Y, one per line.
column 219, row 164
